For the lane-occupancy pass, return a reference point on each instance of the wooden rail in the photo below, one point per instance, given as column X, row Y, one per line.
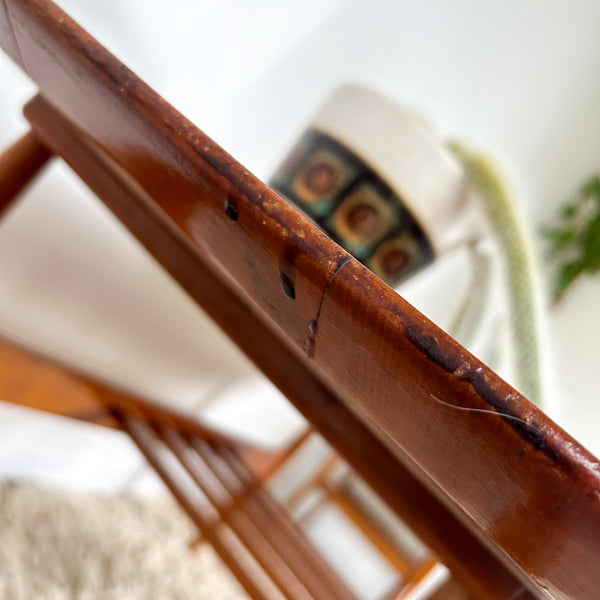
column 505, row 497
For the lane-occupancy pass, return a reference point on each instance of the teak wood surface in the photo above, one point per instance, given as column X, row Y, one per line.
column 513, row 499
column 20, row 164
column 34, row 381
column 469, row 560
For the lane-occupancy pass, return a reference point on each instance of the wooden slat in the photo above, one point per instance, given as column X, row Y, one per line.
column 388, row 550
column 408, row 588
column 275, row 512
column 142, row 436
column 36, row 381
column 269, row 468
column 301, row 491
column 8, row 40
column 252, row 536
column 19, row 164
column 450, row 591
column 353, row 331
column 289, row 541
column 33, row 380
column 470, row 561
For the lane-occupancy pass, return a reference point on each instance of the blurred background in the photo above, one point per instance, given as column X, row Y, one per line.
column 518, row 79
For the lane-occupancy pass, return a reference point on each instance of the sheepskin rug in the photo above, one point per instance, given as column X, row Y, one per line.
column 63, row 545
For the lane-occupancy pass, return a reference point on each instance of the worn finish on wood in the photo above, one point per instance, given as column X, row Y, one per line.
column 471, row 563
column 525, row 482
column 19, row 164
column 517, row 481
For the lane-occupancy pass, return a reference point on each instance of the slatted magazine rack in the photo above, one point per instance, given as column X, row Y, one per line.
column 504, row 498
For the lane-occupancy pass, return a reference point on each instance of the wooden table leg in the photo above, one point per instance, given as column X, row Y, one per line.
column 19, row 164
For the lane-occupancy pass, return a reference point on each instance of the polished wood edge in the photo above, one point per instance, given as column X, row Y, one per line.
column 8, row 39
column 395, row 318
column 19, row 165
column 419, row 359
column 34, row 380
column 462, row 552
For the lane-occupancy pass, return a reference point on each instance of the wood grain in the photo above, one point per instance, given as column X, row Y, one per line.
column 518, row 482
column 472, row 563
column 19, row 164
column 7, row 35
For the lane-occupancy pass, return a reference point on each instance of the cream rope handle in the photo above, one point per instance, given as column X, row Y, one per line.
column 500, row 212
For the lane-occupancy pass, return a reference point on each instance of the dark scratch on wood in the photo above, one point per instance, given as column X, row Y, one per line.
column 309, row 342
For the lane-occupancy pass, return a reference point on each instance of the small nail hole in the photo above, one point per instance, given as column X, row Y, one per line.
column 288, row 287
column 231, row 210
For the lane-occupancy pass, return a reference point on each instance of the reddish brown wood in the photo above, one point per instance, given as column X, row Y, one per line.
column 141, row 433
column 356, row 513
column 275, row 561
column 284, row 554
column 449, row 591
column 469, row 561
column 519, row 482
column 32, row 381
column 310, row 569
column 250, row 492
column 35, row 381
column 422, row 572
column 269, row 466
column 19, row 164
column 336, row 490
column 7, row 36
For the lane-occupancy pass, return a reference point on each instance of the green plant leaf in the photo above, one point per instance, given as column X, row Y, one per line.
column 574, row 242
column 591, row 188
column 566, row 276
column 569, row 211
column 591, row 240
column 559, row 237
